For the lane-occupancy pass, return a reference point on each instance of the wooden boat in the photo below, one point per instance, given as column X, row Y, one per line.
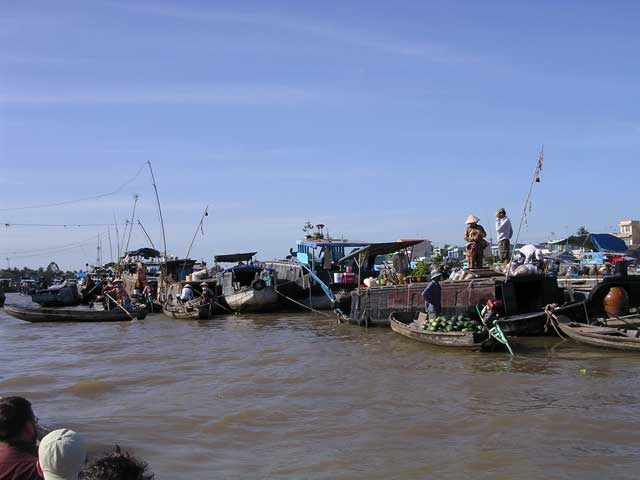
column 188, row 311
column 247, row 287
column 39, row 315
column 248, row 299
column 404, row 324
column 57, row 296
column 521, row 298
column 605, row 337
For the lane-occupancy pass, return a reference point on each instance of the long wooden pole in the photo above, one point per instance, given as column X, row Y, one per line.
column 198, row 227
column 135, row 202
column 155, row 188
column 147, row 235
column 535, row 179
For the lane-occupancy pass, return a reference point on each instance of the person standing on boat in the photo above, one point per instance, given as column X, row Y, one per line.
column 474, row 236
column 433, row 296
column 505, row 232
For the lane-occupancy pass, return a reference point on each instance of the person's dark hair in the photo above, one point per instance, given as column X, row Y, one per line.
column 117, row 466
column 15, row 413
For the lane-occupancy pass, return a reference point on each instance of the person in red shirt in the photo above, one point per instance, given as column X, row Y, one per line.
column 18, row 436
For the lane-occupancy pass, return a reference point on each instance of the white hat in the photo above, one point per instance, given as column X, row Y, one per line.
column 62, row 454
column 472, row 219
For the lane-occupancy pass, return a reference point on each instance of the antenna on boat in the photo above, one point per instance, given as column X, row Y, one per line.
column 145, row 232
column 199, row 227
column 155, row 188
column 527, row 203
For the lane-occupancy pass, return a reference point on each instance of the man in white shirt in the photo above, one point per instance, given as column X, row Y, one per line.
column 505, row 232
column 532, row 254
column 187, row 293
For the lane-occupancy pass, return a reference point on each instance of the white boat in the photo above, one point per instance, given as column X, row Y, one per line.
column 248, row 299
column 247, row 287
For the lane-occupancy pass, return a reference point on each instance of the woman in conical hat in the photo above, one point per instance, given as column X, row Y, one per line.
column 474, row 236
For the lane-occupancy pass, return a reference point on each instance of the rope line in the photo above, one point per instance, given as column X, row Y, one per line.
column 303, row 305
column 68, row 202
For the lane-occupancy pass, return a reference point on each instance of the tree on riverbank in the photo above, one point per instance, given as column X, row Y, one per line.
column 48, row 274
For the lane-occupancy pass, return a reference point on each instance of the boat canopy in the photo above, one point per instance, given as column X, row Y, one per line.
column 376, row 249
column 605, row 242
column 599, row 242
column 144, row 252
column 235, row 257
column 336, row 248
column 244, row 268
column 322, row 242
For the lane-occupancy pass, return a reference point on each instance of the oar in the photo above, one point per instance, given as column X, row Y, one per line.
column 120, row 306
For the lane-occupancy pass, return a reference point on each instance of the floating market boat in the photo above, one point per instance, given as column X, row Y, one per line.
column 142, row 267
column 178, row 273
column 311, row 276
column 411, row 325
column 66, row 295
column 247, row 287
column 40, row 315
column 519, row 299
column 597, row 336
column 188, row 311
column 322, row 275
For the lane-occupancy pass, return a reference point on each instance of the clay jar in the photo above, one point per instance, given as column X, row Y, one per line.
column 616, row 302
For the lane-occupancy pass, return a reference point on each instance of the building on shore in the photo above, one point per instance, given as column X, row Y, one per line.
column 629, row 231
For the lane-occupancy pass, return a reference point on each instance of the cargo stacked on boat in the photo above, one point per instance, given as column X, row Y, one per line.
column 459, row 323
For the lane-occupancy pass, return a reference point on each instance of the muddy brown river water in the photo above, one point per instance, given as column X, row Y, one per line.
column 297, row 396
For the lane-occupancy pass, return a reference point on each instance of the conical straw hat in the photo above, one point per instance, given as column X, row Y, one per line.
column 472, row 219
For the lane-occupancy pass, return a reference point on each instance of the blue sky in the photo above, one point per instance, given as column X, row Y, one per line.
column 382, row 120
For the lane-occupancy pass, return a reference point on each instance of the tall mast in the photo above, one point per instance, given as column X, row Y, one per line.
column 155, row 188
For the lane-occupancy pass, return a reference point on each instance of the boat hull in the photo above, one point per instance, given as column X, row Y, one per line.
column 188, row 312
column 603, row 337
column 402, row 323
column 251, row 300
column 41, row 315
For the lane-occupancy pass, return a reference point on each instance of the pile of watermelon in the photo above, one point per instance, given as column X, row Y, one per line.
column 459, row 323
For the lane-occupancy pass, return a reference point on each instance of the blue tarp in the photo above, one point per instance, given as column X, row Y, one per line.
column 605, row 242
column 599, row 242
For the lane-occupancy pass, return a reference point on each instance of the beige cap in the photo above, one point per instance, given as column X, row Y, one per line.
column 62, row 454
column 472, row 219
